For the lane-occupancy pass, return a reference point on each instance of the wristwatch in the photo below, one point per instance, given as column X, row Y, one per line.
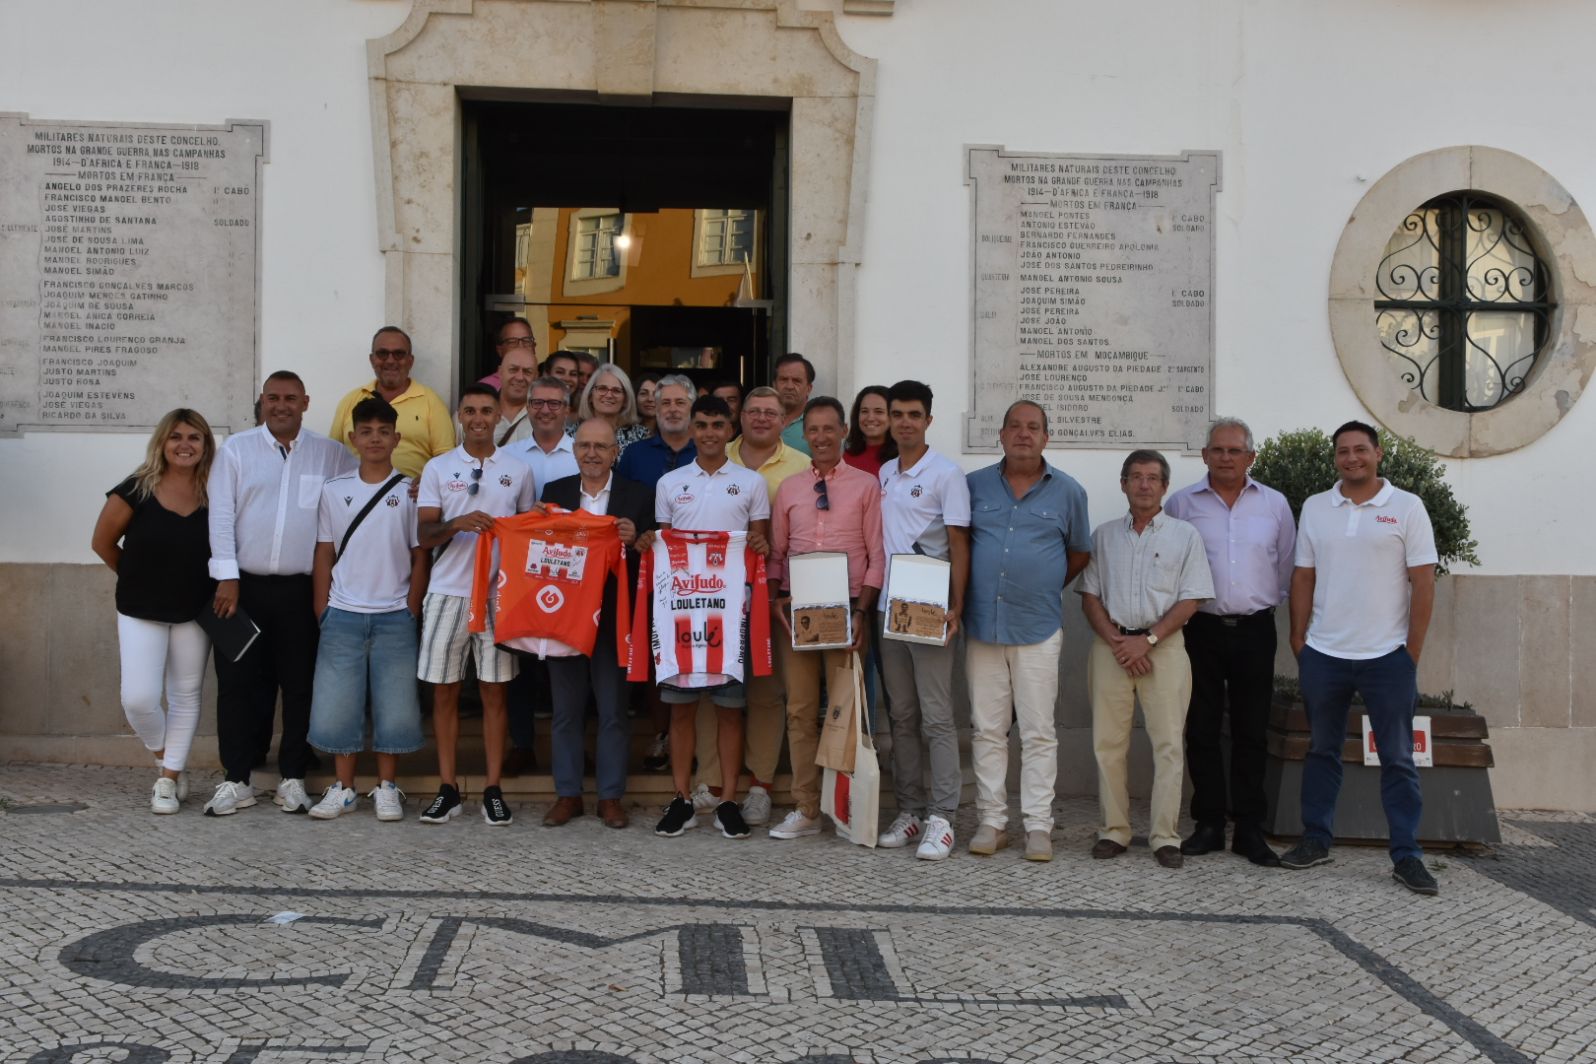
column 1152, row 640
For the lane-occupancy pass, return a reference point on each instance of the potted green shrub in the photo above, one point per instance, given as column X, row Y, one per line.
column 1458, row 804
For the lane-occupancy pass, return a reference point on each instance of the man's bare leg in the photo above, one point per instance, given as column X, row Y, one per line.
column 731, row 751
column 446, row 727
column 684, row 733
column 495, row 727
column 344, row 769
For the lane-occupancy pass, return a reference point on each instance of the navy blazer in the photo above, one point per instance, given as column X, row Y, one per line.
column 628, row 499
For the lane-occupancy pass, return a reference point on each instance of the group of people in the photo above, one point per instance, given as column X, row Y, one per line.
column 335, row 546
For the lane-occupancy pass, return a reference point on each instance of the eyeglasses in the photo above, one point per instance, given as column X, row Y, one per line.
column 476, row 477
column 608, row 389
column 384, row 354
column 761, row 414
column 822, row 498
column 518, row 341
column 546, row 404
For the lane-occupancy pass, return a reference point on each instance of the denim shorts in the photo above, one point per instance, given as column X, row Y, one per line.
column 366, row 657
column 726, row 696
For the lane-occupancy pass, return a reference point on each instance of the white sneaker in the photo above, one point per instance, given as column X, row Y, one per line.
column 337, row 800
column 229, row 798
column 292, row 797
column 902, row 831
column 182, row 780
column 756, row 806
column 703, row 801
column 795, row 826
column 163, row 796
column 938, row 841
column 389, row 800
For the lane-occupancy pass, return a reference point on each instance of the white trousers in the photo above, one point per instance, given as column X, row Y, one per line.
column 157, row 656
column 1008, row 682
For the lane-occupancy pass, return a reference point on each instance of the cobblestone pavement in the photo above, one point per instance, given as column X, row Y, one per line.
column 149, row 939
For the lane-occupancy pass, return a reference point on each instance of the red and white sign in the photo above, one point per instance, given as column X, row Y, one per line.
column 1423, row 744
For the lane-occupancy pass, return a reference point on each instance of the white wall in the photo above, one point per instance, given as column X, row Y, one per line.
column 301, row 65
column 1308, row 101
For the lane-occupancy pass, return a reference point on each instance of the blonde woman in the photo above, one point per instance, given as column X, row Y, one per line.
column 154, row 534
column 609, row 395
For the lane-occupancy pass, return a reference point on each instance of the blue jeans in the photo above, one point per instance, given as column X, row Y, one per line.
column 1389, row 688
column 363, row 654
column 570, row 680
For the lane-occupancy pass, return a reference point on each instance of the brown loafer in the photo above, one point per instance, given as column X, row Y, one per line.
column 613, row 813
column 1169, row 857
column 562, row 811
column 1103, row 849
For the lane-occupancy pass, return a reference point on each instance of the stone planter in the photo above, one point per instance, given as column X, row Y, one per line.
column 1458, row 806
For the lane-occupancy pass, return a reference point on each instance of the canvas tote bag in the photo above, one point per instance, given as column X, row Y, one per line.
column 853, row 799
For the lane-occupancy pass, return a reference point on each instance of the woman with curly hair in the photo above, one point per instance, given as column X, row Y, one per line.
column 153, row 533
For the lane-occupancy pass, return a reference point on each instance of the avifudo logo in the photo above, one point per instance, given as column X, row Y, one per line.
column 696, row 584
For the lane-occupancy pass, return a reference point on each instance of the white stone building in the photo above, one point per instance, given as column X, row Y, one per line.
column 1320, row 112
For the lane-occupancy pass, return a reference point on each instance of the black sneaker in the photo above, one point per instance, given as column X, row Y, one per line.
column 729, row 818
column 494, row 809
column 679, row 816
column 1306, row 854
column 1411, row 873
column 658, row 758
column 444, row 808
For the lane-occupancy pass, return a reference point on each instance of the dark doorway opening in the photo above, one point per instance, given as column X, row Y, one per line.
column 650, row 236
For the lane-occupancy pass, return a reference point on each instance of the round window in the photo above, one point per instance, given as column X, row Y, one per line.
column 1463, row 301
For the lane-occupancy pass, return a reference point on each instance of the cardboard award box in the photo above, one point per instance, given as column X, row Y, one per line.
column 916, row 599
column 821, row 616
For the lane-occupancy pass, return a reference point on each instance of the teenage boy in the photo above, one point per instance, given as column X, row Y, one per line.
column 462, row 492
column 369, row 577
column 925, row 509
column 711, row 494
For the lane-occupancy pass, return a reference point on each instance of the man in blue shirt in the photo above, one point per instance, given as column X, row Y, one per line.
column 1029, row 537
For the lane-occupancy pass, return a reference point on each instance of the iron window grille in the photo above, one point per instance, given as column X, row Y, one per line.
column 1464, row 302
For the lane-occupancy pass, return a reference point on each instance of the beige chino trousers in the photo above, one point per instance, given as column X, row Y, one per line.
column 1165, row 694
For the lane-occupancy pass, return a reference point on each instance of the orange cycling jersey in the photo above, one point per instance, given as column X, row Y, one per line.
column 550, row 583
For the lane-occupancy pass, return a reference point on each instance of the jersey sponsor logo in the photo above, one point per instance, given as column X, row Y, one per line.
column 556, row 561
column 715, row 556
column 456, row 484
column 1385, row 520
column 696, row 584
column 683, row 498
column 550, row 598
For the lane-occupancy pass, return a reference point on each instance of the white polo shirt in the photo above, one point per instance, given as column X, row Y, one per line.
column 917, row 505
column 374, row 574
column 547, row 466
column 726, row 500
column 505, row 488
column 1361, row 554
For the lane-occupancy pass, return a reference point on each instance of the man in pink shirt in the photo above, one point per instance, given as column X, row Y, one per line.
column 831, row 507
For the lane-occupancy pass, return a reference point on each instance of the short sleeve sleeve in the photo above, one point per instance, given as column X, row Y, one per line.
column 1305, row 559
column 1420, row 538
column 1091, row 581
column 1196, row 579
column 956, row 499
column 1078, row 537
column 759, row 510
column 429, row 494
column 324, row 532
column 127, row 491
column 662, row 508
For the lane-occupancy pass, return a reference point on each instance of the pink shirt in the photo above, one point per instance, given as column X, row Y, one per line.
column 852, row 524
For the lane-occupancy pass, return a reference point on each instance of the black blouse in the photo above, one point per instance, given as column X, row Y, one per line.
column 163, row 574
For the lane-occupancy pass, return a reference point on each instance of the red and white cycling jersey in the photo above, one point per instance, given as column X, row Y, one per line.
column 710, row 607
column 549, row 590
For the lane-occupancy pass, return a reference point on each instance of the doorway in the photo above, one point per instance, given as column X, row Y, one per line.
column 653, row 237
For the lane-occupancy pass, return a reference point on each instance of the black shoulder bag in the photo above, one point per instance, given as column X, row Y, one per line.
column 364, row 510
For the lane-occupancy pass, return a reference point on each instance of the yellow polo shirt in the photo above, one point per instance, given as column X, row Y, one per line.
column 778, row 467
column 426, row 428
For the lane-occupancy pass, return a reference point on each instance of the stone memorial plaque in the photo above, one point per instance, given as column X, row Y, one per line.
column 129, row 272
column 1093, row 289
